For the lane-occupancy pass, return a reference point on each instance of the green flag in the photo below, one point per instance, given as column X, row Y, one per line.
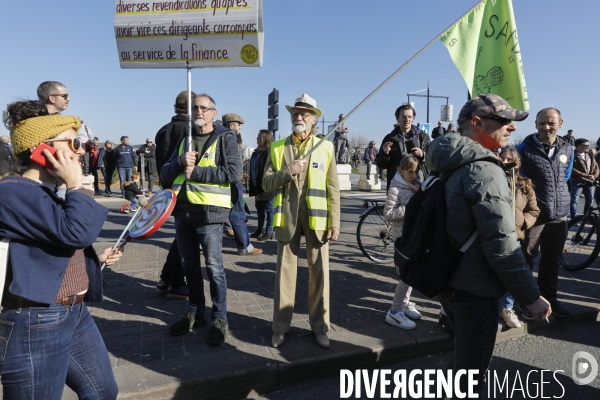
column 484, row 45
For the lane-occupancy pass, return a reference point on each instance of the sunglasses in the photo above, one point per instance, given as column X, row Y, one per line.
column 501, row 120
column 64, row 96
column 74, row 143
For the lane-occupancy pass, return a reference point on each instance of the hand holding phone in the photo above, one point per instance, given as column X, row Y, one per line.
column 39, row 157
column 62, row 163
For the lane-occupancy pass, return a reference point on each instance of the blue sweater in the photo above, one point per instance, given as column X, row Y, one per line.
column 125, row 156
column 44, row 233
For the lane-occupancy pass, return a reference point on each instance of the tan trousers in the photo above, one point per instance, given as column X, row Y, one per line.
column 317, row 255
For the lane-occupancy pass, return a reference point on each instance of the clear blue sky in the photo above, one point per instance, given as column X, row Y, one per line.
column 337, row 51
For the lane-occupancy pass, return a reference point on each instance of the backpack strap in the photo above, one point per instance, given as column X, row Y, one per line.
column 3, row 263
column 474, row 235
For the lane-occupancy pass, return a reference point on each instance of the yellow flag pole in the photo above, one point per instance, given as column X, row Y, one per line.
column 378, row 88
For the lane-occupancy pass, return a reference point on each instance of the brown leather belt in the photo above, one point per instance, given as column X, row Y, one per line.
column 10, row 301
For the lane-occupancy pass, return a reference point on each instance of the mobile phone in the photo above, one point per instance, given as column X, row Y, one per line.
column 39, row 157
column 411, row 144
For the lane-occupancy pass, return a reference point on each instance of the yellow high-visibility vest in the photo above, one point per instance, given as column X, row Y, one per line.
column 213, row 194
column 316, row 196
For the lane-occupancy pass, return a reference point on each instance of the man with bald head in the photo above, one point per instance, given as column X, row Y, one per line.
column 547, row 159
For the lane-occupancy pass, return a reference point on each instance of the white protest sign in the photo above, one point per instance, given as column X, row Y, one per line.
column 206, row 33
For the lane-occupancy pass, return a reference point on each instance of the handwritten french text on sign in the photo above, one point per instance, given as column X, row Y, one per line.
column 205, row 33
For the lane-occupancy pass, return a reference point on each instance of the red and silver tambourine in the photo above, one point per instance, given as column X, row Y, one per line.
column 148, row 219
column 151, row 217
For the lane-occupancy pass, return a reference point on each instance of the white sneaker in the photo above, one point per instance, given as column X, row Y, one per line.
column 411, row 312
column 509, row 316
column 399, row 319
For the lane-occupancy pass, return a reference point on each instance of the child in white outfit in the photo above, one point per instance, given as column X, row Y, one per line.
column 402, row 188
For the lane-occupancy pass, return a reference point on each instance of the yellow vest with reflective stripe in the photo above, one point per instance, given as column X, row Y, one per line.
column 316, row 196
column 210, row 194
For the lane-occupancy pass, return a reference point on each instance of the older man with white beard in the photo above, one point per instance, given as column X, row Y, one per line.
column 201, row 178
column 307, row 202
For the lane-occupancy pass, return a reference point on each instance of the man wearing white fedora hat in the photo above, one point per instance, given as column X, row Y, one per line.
column 307, row 202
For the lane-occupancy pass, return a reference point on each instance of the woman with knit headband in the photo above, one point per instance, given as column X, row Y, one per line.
column 49, row 338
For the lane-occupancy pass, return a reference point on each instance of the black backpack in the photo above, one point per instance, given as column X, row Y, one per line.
column 424, row 257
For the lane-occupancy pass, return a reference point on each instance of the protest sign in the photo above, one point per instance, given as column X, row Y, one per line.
column 203, row 33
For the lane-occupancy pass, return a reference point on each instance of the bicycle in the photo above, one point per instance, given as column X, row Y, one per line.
column 374, row 233
column 582, row 246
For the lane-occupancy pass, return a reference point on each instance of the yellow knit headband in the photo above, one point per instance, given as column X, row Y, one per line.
column 33, row 131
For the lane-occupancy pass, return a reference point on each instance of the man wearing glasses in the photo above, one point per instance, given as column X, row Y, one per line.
column 548, row 160
column 55, row 97
column 149, row 152
column 479, row 210
column 202, row 178
column 307, row 203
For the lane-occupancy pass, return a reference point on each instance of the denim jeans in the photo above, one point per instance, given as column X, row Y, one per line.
column 507, row 301
column 264, row 211
column 124, row 176
column 576, row 189
column 48, row 347
column 475, row 323
column 190, row 233
column 237, row 217
column 369, row 166
column 135, row 201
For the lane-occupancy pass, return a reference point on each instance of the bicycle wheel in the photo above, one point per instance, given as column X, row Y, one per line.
column 582, row 246
column 374, row 236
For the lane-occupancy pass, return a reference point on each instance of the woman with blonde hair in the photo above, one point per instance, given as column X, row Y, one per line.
column 49, row 336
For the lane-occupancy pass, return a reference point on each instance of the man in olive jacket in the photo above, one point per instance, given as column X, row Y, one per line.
column 298, row 183
column 478, row 200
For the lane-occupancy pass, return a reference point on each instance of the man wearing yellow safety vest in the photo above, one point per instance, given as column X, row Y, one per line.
column 201, row 178
column 307, row 202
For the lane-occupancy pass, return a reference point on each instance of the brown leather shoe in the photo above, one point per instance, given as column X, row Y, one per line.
column 255, row 251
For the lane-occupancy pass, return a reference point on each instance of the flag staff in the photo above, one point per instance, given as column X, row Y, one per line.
column 378, row 88
column 189, row 106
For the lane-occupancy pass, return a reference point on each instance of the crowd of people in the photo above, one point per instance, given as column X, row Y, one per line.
column 508, row 204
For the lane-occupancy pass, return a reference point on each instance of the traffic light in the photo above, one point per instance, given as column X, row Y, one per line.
column 273, row 111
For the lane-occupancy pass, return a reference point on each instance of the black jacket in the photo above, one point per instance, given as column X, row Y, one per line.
column 131, row 190
column 549, row 177
column 437, row 131
column 167, row 138
column 106, row 159
column 261, row 159
column 398, row 152
column 149, row 158
column 7, row 159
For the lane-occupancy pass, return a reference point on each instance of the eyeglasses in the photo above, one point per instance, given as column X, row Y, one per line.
column 501, row 120
column 202, row 108
column 148, row 142
column 64, row 96
column 74, row 143
column 304, row 115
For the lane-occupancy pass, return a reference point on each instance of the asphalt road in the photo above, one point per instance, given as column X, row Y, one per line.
column 551, row 350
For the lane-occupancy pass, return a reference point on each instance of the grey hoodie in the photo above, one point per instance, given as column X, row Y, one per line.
column 478, row 197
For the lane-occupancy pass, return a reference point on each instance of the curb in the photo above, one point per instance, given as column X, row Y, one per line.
column 252, row 381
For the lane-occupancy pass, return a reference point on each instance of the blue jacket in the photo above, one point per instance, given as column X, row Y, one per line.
column 549, row 177
column 125, row 157
column 366, row 155
column 44, row 232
